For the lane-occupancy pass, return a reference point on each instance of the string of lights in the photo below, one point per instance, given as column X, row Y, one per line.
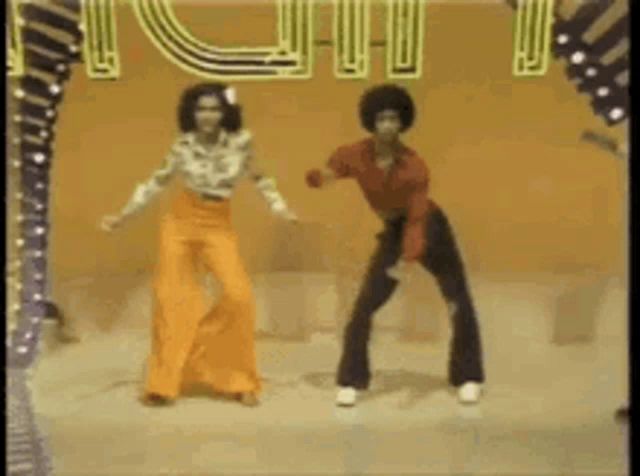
column 586, row 68
column 47, row 41
column 609, row 99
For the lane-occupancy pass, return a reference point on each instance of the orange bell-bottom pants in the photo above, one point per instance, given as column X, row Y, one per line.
column 191, row 345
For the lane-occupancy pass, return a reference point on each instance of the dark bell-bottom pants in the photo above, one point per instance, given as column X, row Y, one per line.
column 442, row 259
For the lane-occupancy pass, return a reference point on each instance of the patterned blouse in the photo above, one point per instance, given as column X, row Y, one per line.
column 212, row 171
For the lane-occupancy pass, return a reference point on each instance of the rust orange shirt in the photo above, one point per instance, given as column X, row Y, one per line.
column 403, row 189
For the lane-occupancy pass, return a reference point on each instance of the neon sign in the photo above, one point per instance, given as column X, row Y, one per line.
column 291, row 57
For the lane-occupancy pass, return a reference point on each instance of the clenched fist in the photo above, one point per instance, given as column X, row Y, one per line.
column 314, row 178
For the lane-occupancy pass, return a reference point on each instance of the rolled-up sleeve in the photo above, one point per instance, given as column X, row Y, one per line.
column 340, row 162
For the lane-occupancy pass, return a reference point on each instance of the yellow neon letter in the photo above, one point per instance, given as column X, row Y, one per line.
column 351, row 33
column 101, row 56
column 291, row 58
column 532, row 41
column 352, row 36
column 15, row 52
column 405, row 38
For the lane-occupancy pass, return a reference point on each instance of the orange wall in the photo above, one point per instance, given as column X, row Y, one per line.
column 521, row 190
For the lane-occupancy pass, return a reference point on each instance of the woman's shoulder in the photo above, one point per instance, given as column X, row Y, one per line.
column 184, row 140
column 241, row 138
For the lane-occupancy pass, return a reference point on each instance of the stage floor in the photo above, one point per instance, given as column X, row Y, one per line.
column 548, row 409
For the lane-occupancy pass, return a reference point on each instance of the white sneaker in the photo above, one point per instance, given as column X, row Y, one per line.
column 346, row 397
column 469, row 392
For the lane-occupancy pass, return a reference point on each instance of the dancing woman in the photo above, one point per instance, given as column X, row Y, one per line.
column 192, row 345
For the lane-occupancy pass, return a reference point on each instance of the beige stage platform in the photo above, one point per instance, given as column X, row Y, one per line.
column 556, row 360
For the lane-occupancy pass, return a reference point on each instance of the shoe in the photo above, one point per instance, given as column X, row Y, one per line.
column 248, row 399
column 155, row 400
column 346, row 397
column 469, row 392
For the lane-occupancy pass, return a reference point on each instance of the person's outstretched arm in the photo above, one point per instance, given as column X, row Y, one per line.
column 338, row 166
column 145, row 191
column 264, row 182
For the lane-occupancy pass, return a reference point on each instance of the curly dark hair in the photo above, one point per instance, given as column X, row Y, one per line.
column 383, row 97
column 232, row 113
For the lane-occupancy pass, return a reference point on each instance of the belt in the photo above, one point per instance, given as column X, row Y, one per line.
column 210, row 197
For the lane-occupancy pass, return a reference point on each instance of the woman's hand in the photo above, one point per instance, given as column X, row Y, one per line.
column 110, row 223
column 287, row 215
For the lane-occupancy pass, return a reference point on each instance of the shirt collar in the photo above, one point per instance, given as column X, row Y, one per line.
column 370, row 150
column 223, row 140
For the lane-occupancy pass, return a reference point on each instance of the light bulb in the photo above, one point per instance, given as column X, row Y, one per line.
column 616, row 113
column 578, row 57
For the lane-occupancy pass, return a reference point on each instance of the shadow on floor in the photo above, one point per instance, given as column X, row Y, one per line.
column 386, row 382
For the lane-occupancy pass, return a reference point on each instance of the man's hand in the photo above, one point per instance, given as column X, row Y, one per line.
column 319, row 178
column 110, row 223
column 314, row 178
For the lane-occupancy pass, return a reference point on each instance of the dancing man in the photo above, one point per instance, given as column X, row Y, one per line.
column 190, row 344
column 395, row 182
